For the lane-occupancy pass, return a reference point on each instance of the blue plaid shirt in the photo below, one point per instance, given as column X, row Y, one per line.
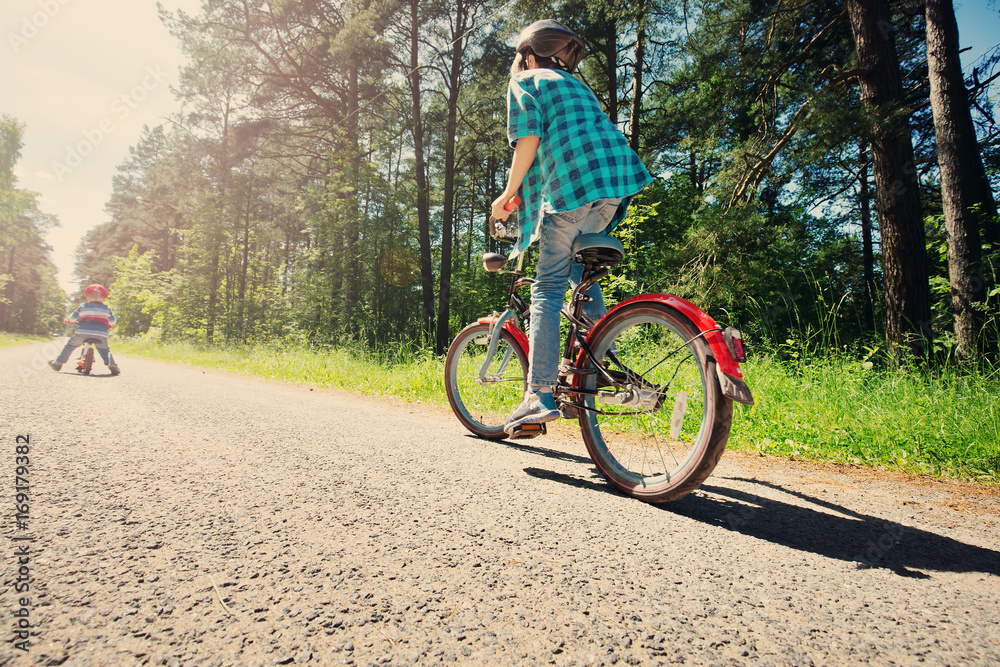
column 582, row 156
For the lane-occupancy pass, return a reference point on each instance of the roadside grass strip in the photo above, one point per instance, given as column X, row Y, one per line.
column 411, row 377
column 937, row 423
column 10, row 340
column 928, row 423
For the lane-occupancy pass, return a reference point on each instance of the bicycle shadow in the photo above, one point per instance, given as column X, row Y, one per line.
column 543, row 451
column 91, row 376
column 824, row 528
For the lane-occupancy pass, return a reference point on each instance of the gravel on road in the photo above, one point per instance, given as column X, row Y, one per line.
column 186, row 517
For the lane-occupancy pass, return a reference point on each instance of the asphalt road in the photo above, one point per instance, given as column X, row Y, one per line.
column 175, row 516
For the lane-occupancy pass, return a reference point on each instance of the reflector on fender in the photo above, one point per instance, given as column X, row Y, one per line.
column 734, row 341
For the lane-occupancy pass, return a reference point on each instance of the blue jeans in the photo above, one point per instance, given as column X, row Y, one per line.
column 77, row 339
column 555, row 270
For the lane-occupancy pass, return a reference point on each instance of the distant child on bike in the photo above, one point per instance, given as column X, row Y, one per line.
column 577, row 174
column 93, row 320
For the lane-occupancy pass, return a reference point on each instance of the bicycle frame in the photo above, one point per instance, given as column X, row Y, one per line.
column 89, row 347
column 577, row 342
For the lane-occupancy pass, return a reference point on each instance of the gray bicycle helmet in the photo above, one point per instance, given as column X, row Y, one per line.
column 551, row 39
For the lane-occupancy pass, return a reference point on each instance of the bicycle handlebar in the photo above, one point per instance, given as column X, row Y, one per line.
column 498, row 229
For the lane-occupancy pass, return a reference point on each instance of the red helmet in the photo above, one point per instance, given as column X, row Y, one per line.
column 96, row 289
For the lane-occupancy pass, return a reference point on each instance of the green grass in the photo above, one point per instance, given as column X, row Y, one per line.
column 824, row 409
column 412, row 377
column 836, row 409
column 9, row 340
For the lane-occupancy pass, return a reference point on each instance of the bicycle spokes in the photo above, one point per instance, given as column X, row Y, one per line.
column 649, row 427
column 485, row 378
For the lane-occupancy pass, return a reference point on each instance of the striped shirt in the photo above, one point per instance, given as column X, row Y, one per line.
column 582, row 156
column 93, row 319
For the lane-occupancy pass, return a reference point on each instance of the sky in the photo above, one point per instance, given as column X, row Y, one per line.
column 84, row 77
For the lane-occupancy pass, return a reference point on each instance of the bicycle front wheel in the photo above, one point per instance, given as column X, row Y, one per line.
column 658, row 427
column 482, row 401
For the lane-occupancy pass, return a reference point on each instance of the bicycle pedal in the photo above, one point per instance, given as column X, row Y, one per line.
column 569, row 411
column 527, row 431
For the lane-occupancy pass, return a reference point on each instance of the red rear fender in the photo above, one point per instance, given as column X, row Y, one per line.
column 702, row 321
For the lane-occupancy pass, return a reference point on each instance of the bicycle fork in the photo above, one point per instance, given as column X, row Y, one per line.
column 493, row 338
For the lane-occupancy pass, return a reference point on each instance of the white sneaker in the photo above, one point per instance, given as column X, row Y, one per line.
column 531, row 411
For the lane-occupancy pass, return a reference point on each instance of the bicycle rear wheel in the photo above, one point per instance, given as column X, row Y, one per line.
column 658, row 429
column 483, row 404
column 88, row 362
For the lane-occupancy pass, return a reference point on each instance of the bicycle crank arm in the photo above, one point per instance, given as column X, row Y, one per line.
column 632, row 398
column 596, row 411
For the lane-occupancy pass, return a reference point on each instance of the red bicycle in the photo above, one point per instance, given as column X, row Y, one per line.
column 652, row 383
column 88, row 350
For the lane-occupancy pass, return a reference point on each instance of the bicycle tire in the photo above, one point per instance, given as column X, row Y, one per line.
column 88, row 361
column 665, row 443
column 483, row 407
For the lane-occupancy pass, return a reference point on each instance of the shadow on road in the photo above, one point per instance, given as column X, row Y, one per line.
column 824, row 528
column 570, row 480
column 833, row 531
column 543, row 451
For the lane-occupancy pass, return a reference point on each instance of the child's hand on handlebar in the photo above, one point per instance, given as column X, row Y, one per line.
column 503, row 205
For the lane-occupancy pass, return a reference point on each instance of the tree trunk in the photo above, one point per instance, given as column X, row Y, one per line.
column 611, row 66
column 965, row 191
column 904, row 254
column 443, row 336
column 867, row 247
column 352, row 274
column 216, row 220
column 213, row 294
column 423, row 205
column 636, row 108
column 5, row 307
column 244, row 266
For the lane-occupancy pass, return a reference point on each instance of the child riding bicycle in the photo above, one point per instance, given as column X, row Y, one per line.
column 93, row 320
column 575, row 174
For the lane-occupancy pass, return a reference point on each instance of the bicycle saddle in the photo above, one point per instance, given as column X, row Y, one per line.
column 493, row 261
column 598, row 249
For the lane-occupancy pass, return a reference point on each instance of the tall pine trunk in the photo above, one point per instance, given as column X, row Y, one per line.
column 965, row 191
column 635, row 111
column 867, row 244
column 610, row 27
column 5, row 306
column 420, row 166
column 904, row 253
column 448, row 212
column 244, row 268
column 352, row 214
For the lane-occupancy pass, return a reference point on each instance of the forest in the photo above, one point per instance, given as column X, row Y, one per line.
column 824, row 171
